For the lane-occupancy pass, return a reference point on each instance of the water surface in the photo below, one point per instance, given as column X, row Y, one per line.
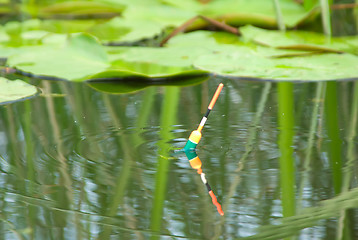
column 76, row 163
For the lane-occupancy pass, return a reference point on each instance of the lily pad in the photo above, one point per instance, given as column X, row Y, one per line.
column 300, row 40
column 159, row 13
column 154, row 62
column 329, row 66
column 81, row 8
column 241, row 12
column 190, row 54
column 82, row 56
column 15, row 90
column 124, row 30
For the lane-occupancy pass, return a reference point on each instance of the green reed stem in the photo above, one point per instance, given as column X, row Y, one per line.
column 355, row 14
column 123, row 177
column 285, row 142
column 312, row 132
column 314, row 122
column 15, row 154
column 30, row 162
column 335, row 143
column 144, row 113
column 326, row 17
column 279, row 16
column 64, row 196
column 168, row 119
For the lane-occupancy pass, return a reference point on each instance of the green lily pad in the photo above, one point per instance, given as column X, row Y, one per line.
column 155, row 62
column 82, row 56
column 81, row 8
column 67, row 26
column 15, row 90
column 159, row 13
column 196, row 53
column 300, row 40
column 120, row 29
column 204, row 39
column 172, row 56
column 254, row 65
column 241, row 12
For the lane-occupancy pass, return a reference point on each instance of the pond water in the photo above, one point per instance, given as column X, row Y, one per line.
column 76, row 163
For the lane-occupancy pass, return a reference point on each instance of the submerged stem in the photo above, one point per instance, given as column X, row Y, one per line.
column 326, row 17
column 279, row 16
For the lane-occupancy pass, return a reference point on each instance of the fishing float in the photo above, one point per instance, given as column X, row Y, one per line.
column 195, row 135
column 191, row 144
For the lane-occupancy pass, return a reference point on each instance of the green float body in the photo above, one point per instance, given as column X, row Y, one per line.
column 190, row 146
column 190, row 154
column 193, row 141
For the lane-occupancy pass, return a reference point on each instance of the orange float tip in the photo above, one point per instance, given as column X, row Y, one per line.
column 215, row 202
column 216, row 95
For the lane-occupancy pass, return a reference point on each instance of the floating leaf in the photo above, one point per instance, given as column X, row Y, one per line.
column 253, row 65
column 84, row 58
column 119, row 29
column 155, row 62
column 204, row 39
column 15, row 90
column 159, row 13
column 68, row 26
column 241, row 12
column 197, row 53
column 81, row 8
column 81, row 57
column 173, row 56
column 300, row 40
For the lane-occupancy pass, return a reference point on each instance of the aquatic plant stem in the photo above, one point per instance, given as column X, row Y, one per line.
column 63, row 166
column 168, row 119
column 124, row 175
column 185, row 25
column 333, row 132
column 279, row 16
column 14, row 145
column 66, row 194
column 313, row 130
column 144, row 114
column 31, row 167
column 285, row 142
column 326, row 17
column 355, row 12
